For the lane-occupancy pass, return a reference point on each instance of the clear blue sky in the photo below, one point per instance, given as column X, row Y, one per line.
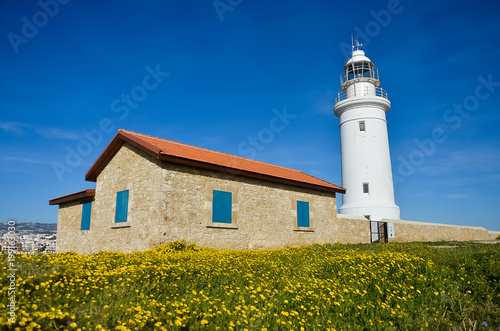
column 68, row 69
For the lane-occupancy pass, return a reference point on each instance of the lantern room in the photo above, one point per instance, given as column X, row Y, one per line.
column 360, row 78
column 359, row 67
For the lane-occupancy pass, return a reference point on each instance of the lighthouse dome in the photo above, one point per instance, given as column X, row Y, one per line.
column 358, row 56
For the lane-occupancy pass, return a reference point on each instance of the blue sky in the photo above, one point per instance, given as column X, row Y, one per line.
column 214, row 74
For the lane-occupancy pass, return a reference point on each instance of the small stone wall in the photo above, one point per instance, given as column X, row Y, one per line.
column 406, row 231
column 352, row 229
column 494, row 235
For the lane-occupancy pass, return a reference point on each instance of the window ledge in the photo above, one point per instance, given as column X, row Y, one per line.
column 120, row 225
column 303, row 229
column 223, row 225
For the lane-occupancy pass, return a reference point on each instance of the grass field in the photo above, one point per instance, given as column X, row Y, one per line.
column 318, row 287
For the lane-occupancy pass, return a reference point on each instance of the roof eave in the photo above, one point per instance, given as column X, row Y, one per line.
column 77, row 196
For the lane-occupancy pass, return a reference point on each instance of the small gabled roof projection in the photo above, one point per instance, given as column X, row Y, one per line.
column 174, row 152
column 77, row 196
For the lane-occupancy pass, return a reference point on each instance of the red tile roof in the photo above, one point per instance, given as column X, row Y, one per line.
column 175, row 152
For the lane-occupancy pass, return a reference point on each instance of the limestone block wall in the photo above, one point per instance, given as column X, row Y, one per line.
column 134, row 170
column 130, row 169
column 264, row 214
column 493, row 234
column 352, row 229
column 68, row 225
column 406, row 231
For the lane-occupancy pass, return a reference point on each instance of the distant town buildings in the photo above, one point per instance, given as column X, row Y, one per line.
column 28, row 241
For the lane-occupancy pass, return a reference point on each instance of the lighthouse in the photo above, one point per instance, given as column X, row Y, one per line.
column 366, row 161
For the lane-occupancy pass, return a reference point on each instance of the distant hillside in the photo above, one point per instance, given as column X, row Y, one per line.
column 31, row 226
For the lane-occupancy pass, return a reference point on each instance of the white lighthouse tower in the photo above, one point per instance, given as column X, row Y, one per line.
column 366, row 161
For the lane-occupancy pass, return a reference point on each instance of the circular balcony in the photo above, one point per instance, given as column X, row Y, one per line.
column 379, row 92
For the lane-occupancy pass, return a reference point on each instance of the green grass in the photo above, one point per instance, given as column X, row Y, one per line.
column 319, row 287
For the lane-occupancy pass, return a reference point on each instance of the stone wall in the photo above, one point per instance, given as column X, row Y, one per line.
column 169, row 202
column 494, row 235
column 264, row 213
column 68, row 225
column 406, row 231
column 130, row 169
column 352, row 229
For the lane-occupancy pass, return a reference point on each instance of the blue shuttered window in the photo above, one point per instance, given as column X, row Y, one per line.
column 222, row 206
column 121, row 206
column 86, row 212
column 303, row 214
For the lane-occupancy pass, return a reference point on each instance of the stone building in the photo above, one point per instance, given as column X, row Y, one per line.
column 150, row 191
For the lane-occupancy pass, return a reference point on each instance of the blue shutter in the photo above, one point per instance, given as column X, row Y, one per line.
column 302, row 213
column 222, row 206
column 121, row 206
column 86, row 212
